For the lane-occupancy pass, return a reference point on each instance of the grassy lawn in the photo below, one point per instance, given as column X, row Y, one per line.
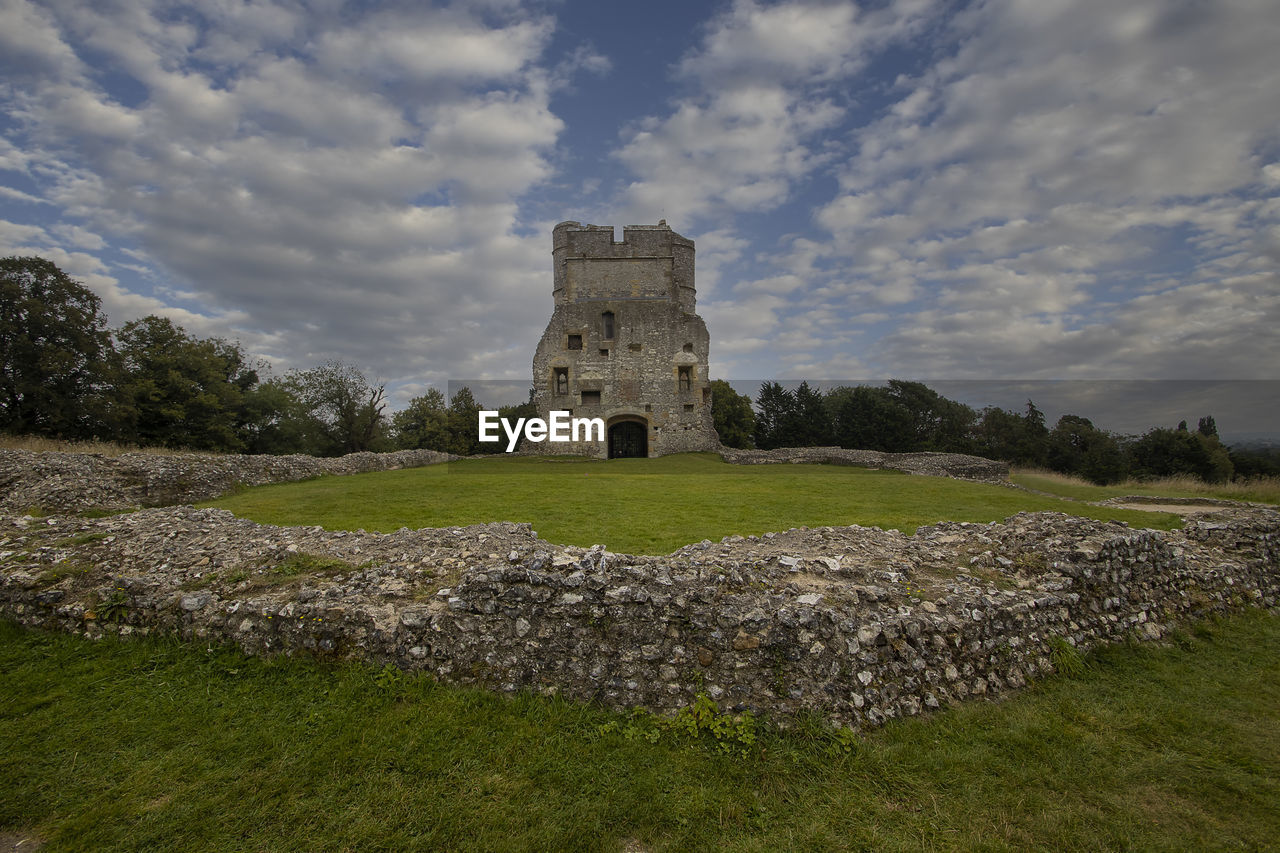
column 1263, row 490
column 152, row 744
column 645, row 506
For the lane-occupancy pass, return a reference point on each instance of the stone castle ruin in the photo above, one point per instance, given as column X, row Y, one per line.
column 624, row 343
column 858, row 625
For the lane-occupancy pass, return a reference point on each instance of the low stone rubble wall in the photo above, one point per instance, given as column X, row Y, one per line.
column 857, row 624
column 74, row 482
column 956, row 465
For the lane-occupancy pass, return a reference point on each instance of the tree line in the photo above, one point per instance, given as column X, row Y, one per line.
column 67, row 375
column 902, row 417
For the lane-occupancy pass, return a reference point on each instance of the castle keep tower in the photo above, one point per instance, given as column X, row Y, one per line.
column 624, row 343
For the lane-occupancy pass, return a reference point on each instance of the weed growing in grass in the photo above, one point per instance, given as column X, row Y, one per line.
column 698, row 722
column 390, row 679
column 843, row 741
column 1066, row 658
column 734, row 733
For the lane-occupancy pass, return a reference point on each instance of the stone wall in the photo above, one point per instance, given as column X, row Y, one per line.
column 73, row 482
column 858, row 624
column 958, row 465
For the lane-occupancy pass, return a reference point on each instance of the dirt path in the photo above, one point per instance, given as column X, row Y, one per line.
column 1176, row 509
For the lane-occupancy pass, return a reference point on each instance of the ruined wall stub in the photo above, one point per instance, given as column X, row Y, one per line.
column 624, row 343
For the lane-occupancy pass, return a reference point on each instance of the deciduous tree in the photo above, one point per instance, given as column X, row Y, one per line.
column 345, row 406
column 731, row 413
column 54, row 348
column 176, row 390
column 423, row 424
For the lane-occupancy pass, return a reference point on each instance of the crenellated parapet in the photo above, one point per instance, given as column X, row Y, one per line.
column 650, row 262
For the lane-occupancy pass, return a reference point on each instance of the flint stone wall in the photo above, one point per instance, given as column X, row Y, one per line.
column 858, row 624
column 74, row 482
column 958, row 465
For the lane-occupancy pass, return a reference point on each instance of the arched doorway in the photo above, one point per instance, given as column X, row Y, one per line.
column 628, row 439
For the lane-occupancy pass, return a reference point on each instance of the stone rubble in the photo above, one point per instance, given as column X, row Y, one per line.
column 957, row 465
column 75, row 482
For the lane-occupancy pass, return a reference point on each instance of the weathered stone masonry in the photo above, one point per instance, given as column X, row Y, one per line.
column 858, row 624
column 624, row 342
column 74, row 482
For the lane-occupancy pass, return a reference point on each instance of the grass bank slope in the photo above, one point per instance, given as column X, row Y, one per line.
column 153, row 744
column 645, row 506
column 1261, row 489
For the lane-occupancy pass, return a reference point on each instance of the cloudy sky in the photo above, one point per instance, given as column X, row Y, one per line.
column 1012, row 189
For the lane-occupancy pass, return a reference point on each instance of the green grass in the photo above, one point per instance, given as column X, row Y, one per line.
column 645, row 506
column 1262, row 489
column 153, row 744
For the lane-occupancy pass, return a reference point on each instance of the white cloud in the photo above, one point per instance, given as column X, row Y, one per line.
column 1061, row 155
column 764, row 80
column 19, row 195
column 769, row 43
column 79, row 237
column 283, row 189
column 434, row 44
column 16, row 234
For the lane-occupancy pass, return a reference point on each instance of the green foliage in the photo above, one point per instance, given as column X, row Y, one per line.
column 177, row 391
column 797, row 418
column 463, row 419
column 116, row 607
column 340, row 407
column 1165, row 452
column 731, row 413
column 1076, row 446
column 866, row 418
column 1255, row 462
column 1018, row 439
column 775, row 417
column 278, row 421
column 1066, row 659
column 390, row 679
column 699, row 722
column 938, row 424
column 897, row 418
column 423, row 424
column 731, row 733
column 53, row 348
column 905, row 417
